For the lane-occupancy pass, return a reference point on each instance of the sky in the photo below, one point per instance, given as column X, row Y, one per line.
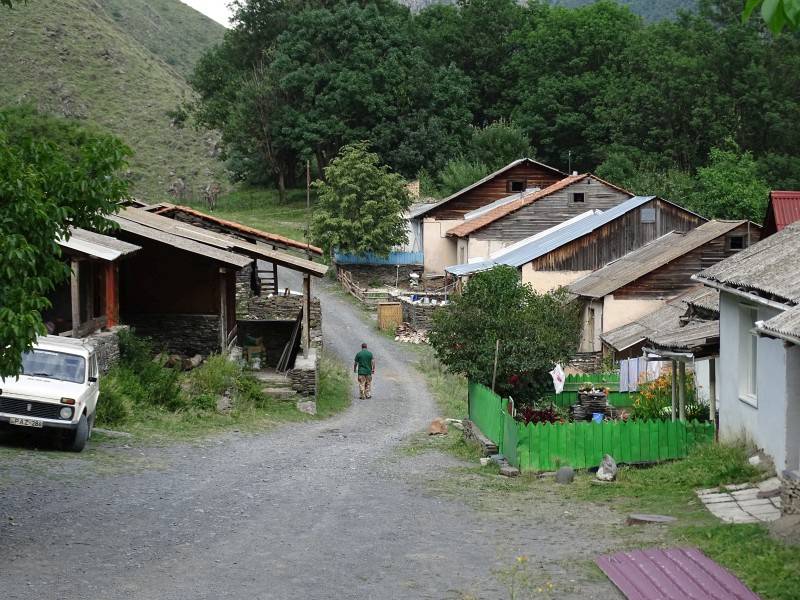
column 216, row 9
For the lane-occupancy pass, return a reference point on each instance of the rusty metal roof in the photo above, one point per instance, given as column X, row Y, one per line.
column 783, row 208
column 672, row 574
column 215, row 240
column 168, row 210
column 648, row 258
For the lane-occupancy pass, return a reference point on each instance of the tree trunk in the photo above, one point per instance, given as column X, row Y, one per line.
column 321, row 164
column 281, row 187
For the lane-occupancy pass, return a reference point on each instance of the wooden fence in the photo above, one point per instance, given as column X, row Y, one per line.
column 546, row 446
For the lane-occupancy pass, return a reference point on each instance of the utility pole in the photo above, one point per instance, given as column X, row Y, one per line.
column 308, row 208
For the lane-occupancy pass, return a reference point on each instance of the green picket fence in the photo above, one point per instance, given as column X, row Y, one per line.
column 547, row 446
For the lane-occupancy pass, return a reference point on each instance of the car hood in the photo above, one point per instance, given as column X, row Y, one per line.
column 39, row 388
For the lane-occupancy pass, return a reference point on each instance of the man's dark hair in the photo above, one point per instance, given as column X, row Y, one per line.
column 363, row 344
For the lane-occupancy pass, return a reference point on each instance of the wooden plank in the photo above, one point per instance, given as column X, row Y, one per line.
column 306, row 314
column 75, row 296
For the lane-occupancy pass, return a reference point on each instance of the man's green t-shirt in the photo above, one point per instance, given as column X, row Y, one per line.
column 364, row 362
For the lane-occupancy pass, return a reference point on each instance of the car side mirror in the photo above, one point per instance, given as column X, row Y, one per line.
column 92, row 379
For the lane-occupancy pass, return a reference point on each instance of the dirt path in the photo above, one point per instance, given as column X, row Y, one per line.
column 319, row 510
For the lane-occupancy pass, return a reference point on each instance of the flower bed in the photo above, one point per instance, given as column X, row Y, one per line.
column 546, row 446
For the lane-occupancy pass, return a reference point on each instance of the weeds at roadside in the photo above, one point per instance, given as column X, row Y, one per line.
column 449, row 389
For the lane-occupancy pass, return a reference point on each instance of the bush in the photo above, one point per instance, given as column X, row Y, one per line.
column 114, row 405
column 654, row 400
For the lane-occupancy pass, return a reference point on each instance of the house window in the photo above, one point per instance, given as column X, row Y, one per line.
column 517, row 185
column 736, row 242
column 648, row 215
column 748, row 353
column 578, row 197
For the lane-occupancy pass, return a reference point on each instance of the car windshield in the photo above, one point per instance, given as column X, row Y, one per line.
column 54, row 365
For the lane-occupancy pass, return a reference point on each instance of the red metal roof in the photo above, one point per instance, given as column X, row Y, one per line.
column 785, row 208
column 672, row 574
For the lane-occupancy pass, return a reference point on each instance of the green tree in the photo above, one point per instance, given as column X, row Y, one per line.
column 498, row 144
column 54, row 175
column 535, row 330
column 458, row 174
column 361, row 204
column 730, row 187
column 777, row 14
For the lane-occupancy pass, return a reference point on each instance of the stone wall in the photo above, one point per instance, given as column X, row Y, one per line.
column 186, row 335
column 304, row 376
column 418, row 314
column 377, row 276
column 790, row 493
column 106, row 343
column 281, row 308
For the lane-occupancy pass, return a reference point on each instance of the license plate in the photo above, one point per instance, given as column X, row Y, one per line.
column 25, row 422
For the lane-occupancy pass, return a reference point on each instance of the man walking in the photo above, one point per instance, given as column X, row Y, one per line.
column 364, row 366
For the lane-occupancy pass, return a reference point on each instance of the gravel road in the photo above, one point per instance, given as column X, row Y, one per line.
column 329, row 509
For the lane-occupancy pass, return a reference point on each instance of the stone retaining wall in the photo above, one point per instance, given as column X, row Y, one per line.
column 186, row 335
column 304, row 376
column 790, row 493
column 106, row 343
column 377, row 276
column 417, row 314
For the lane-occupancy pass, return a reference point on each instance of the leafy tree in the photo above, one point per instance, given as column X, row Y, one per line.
column 777, row 14
column 535, row 331
column 730, row 186
column 54, row 175
column 458, row 174
column 498, row 144
column 360, row 204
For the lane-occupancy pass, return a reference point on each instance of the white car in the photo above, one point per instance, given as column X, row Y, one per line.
column 57, row 390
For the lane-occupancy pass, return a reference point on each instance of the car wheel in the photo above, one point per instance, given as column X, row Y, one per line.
column 75, row 440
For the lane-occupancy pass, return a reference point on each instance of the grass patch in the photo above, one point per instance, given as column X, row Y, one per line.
column 261, row 208
column 335, row 388
column 449, row 389
column 770, row 568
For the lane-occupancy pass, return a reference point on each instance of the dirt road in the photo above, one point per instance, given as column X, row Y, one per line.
column 328, row 509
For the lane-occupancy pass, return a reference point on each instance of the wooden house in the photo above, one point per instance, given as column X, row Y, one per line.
column 436, row 220
column 89, row 301
column 492, row 228
column 180, row 289
column 564, row 253
column 642, row 281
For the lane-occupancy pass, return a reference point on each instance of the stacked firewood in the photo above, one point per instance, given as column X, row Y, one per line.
column 591, row 401
column 407, row 334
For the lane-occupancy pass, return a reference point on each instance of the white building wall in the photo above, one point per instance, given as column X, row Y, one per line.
column 619, row 312
column 793, row 408
column 547, row 281
column 440, row 251
column 763, row 420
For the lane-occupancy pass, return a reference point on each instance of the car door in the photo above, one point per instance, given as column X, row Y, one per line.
column 94, row 386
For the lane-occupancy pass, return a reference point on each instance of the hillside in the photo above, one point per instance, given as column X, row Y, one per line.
column 71, row 58
column 168, row 28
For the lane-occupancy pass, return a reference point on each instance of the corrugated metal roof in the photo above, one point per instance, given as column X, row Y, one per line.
column 648, row 258
column 167, row 210
column 695, row 337
column 228, row 258
column 489, row 177
column 221, row 241
column 509, row 206
column 672, row 574
column 555, row 240
column 785, row 325
column 769, row 267
column 97, row 245
column 785, row 207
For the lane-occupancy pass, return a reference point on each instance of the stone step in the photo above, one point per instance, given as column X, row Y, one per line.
column 279, row 393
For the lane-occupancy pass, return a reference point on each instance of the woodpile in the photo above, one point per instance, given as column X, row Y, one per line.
column 590, row 402
column 407, row 334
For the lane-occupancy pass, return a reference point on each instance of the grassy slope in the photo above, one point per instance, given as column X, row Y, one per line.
column 70, row 58
column 261, row 209
column 168, row 28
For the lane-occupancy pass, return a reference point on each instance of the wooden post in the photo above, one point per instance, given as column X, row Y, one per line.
column 111, row 308
column 223, row 310
column 674, row 390
column 712, row 395
column 306, row 314
column 75, row 296
column 681, row 390
column 496, row 356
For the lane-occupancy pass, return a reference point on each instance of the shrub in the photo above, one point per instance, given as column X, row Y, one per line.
column 654, row 399
column 114, row 404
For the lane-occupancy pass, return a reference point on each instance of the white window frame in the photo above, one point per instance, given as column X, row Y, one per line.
column 747, row 380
